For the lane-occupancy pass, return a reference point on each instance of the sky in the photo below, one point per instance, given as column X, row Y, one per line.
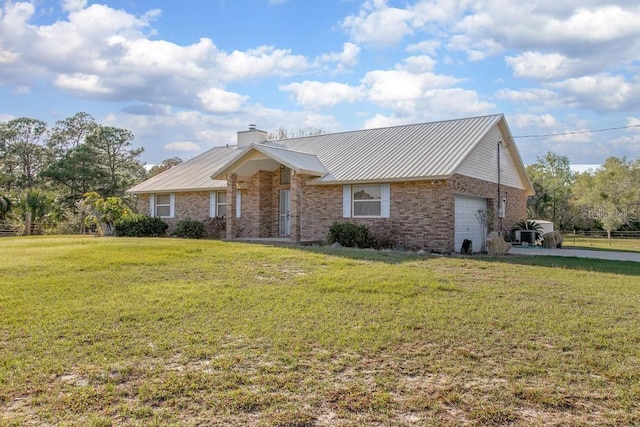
column 185, row 76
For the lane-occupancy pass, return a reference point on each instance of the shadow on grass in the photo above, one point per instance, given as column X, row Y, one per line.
column 391, row 257
column 629, row 268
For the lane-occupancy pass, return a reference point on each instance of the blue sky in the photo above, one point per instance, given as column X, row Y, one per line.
column 185, row 76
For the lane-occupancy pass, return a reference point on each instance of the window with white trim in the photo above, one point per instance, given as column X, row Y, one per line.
column 366, row 201
column 219, row 204
column 163, row 205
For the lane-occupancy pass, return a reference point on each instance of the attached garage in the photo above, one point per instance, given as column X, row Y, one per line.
column 467, row 225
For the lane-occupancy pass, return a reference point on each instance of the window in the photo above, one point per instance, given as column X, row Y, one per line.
column 366, row 201
column 285, row 175
column 162, row 205
column 218, row 204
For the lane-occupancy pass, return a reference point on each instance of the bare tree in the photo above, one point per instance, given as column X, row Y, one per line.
column 282, row 133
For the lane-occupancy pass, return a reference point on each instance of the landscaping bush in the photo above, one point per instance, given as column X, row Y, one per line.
column 385, row 234
column 189, row 229
column 351, row 235
column 215, row 228
column 138, row 225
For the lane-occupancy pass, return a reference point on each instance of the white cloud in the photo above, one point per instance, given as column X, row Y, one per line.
column 102, row 53
column 220, row 101
column 378, row 24
column 82, row 84
column 345, row 59
column 609, row 92
column 400, row 85
column 542, row 66
column 532, row 98
column 606, row 23
column 573, row 135
column 74, row 5
column 635, row 122
column 7, row 57
column 314, row 95
column 476, row 49
column 435, row 104
column 382, row 121
column 544, row 122
column 260, row 62
column 148, row 109
column 182, row 146
column 429, row 47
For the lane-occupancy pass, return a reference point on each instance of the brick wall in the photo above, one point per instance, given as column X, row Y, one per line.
column 422, row 212
column 143, row 204
column 193, row 205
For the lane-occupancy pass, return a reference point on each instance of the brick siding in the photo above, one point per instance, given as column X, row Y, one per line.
column 421, row 212
column 193, row 205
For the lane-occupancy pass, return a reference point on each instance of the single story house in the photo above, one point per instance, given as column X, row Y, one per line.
column 428, row 180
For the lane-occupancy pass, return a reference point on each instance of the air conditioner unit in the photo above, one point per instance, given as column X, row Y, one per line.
column 528, row 236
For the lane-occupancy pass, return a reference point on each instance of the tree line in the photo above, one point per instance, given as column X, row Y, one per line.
column 45, row 172
column 607, row 198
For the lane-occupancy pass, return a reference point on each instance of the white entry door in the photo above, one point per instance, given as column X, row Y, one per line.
column 467, row 224
column 285, row 224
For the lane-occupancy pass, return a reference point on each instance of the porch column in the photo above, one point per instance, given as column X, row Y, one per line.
column 295, row 210
column 232, row 186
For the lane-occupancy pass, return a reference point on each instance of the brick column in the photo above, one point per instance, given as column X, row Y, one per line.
column 295, row 210
column 232, row 186
column 265, row 203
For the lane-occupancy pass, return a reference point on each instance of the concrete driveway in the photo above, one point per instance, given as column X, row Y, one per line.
column 578, row 253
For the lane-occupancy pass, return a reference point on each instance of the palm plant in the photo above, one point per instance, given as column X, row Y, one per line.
column 5, row 207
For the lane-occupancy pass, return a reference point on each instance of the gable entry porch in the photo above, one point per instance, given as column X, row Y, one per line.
column 265, row 206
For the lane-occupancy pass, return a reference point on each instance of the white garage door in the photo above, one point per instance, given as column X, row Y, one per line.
column 467, row 225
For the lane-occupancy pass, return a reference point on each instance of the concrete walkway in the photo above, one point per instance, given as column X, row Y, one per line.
column 578, row 253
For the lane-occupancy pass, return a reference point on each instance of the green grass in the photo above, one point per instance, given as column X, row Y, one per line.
column 105, row 331
column 601, row 243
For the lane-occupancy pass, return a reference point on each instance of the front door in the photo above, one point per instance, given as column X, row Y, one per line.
column 285, row 225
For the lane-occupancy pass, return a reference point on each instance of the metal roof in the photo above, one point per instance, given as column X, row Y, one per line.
column 192, row 175
column 426, row 150
column 410, row 152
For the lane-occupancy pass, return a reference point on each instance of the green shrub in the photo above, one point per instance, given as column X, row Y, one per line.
column 138, row 225
column 351, row 235
column 189, row 229
column 215, row 228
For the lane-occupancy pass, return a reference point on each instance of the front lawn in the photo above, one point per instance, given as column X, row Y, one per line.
column 115, row 331
column 601, row 243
